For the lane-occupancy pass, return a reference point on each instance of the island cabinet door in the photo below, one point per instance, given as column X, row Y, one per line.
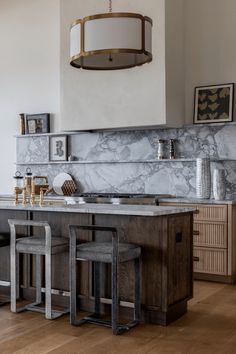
column 59, row 223
column 5, row 251
column 180, row 258
column 148, row 233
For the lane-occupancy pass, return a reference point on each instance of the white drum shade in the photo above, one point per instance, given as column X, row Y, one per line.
column 111, row 41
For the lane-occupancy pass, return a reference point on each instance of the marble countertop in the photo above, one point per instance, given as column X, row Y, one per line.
column 196, row 201
column 138, row 210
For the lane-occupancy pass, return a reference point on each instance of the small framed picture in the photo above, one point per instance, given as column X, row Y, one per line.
column 58, row 148
column 214, row 104
column 37, row 123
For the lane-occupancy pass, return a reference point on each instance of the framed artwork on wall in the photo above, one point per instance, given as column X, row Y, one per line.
column 58, row 148
column 214, row 104
column 37, row 123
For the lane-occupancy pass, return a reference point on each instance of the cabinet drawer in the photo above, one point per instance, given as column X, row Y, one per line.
column 211, row 213
column 210, row 260
column 210, row 235
column 205, row 212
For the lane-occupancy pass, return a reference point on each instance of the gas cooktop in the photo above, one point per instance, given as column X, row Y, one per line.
column 116, row 198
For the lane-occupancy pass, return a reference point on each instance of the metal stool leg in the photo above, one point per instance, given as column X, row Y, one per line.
column 73, row 300
column 115, row 302
column 48, row 298
column 97, row 287
column 38, row 278
column 137, row 301
column 17, row 275
column 13, row 277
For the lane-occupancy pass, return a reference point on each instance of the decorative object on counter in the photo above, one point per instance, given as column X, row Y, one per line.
column 214, row 104
column 30, row 188
column 18, row 180
column 203, row 178
column 69, row 188
column 22, row 123
column 161, row 149
column 219, row 188
column 37, row 123
column 114, row 40
column 58, row 148
column 28, row 180
column 18, row 185
column 63, row 184
column 172, row 149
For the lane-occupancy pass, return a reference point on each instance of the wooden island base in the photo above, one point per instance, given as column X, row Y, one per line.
column 167, row 272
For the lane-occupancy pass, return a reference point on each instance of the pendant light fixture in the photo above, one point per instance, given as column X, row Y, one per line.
column 114, row 40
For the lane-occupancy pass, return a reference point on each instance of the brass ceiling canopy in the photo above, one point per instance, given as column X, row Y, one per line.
column 110, row 41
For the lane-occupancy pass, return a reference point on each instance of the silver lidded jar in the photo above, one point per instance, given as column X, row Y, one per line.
column 161, row 149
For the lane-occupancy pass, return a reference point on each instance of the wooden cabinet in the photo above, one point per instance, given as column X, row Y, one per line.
column 214, row 237
column 167, row 277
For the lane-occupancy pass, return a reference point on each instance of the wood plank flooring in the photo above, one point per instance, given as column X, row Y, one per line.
column 209, row 327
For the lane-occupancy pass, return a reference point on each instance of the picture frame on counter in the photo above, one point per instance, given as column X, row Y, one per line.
column 37, row 123
column 214, row 104
column 58, row 148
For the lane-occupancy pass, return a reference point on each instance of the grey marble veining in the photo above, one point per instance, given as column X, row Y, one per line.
column 32, row 149
column 180, row 200
column 106, row 149
column 138, row 210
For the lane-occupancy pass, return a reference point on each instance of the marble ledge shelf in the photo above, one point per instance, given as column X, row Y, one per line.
column 117, row 130
column 108, row 162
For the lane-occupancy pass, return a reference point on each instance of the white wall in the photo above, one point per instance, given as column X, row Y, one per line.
column 175, row 64
column 29, row 70
column 210, row 45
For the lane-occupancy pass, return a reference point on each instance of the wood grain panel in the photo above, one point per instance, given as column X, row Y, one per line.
column 206, row 212
column 211, row 213
column 210, row 260
column 152, row 255
column 180, row 264
column 232, row 240
column 210, row 234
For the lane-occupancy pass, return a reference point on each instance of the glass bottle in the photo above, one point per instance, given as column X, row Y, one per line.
column 18, row 180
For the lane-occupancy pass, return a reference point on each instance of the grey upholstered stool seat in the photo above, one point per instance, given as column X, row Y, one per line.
column 4, row 241
column 43, row 245
column 104, row 252
column 36, row 245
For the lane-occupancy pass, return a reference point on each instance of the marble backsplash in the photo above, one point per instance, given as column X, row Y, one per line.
column 126, row 161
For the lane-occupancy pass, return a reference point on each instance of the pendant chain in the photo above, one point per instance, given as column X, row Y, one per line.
column 110, row 6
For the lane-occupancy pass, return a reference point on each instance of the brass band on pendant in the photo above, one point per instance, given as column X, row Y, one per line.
column 83, row 53
column 111, row 15
column 108, row 52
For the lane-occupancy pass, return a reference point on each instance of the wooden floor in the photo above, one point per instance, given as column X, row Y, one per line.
column 209, row 327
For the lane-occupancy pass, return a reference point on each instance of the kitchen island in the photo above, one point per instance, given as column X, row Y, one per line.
column 164, row 234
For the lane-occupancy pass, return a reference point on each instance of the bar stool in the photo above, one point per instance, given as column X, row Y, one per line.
column 4, row 241
column 105, row 252
column 41, row 245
